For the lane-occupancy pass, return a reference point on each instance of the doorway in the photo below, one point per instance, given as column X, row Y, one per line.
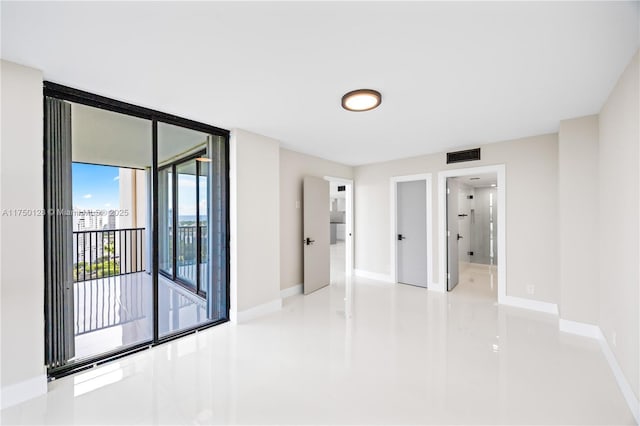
column 472, row 229
column 112, row 301
column 337, row 231
column 340, row 228
column 411, row 230
column 328, row 231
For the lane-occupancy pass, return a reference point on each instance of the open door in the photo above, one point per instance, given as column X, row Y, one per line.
column 453, row 234
column 315, row 198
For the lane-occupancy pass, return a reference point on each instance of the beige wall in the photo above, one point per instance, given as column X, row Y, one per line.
column 532, row 211
column 619, row 229
column 132, row 184
column 254, row 219
column 578, row 207
column 293, row 167
column 21, row 242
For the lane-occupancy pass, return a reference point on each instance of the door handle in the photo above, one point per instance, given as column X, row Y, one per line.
column 460, row 237
column 308, row 241
column 401, row 237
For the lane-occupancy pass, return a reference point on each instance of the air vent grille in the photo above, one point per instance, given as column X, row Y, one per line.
column 342, row 188
column 461, row 156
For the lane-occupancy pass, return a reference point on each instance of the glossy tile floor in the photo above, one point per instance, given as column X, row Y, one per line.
column 337, row 262
column 356, row 352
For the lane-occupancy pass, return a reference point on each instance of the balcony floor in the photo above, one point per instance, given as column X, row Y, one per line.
column 116, row 312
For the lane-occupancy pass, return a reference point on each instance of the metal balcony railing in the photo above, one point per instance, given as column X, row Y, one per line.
column 106, row 292
column 109, row 252
column 186, row 258
column 107, row 302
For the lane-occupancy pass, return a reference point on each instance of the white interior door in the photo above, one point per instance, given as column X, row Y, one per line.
column 453, row 234
column 315, row 199
column 411, row 228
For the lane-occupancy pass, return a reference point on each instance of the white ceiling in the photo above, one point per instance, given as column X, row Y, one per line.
column 451, row 74
column 109, row 138
column 479, row 180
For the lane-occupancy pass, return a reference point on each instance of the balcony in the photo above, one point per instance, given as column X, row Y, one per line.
column 113, row 293
column 186, row 258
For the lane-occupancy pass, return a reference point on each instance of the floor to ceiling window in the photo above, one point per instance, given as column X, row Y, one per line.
column 136, row 231
column 189, row 188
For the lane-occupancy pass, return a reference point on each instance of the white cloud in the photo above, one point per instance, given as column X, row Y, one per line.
column 87, row 196
column 116, row 178
column 107, row 205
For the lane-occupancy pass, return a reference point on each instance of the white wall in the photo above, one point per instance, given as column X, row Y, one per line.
column 531, row 211
column 132, row 185
column 21, row 237
column 293, row 168
column 619, row 164
column 578, row 207
column 254, row 220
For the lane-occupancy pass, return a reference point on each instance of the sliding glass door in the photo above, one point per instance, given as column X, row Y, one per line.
column 187, row 165
column 165, row 220
column 137, row 247
column 187, row 235
column 187, row 213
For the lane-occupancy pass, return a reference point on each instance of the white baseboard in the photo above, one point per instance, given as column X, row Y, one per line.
column 291, row 291
column 595, row 332
column 240, row 317
column 373, row 275
column 623, row 383
column 579, row 328
column 534, row 305
column 23, row 391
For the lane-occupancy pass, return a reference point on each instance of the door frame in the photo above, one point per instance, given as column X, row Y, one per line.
column 348, row 232
column 500, row 171
column 394, row 180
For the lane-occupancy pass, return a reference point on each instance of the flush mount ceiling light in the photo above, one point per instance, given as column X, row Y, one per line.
column 361, row 100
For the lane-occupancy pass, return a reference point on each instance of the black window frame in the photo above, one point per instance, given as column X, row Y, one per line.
column 58, row 91
column 172, row 166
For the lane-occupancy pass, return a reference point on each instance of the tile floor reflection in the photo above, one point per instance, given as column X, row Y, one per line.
column 337, row 261
column 356, row 352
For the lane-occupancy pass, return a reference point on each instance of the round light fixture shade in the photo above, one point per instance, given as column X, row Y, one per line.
column 361, row 100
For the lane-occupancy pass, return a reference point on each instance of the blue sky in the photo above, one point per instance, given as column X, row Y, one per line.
column 187, row 195
column 98, row 187
column 95, row 187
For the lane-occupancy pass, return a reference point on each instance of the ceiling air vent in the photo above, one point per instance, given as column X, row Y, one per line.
column 460, row 156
